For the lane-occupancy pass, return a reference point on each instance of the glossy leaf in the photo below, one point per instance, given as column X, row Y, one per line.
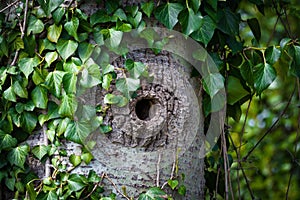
column 235, row 90
column 78, row 131
column 75, row 160
column 255, row 28
column 228, row 22
column 7, row 141
column 20, row 90
column 35, row 25
column 54, row 32
column 17, row 155
column 194, row 4
column 85, row 51
column 189, row 21
column 154, row 193
column 28, row 121
column 9, row 94
column 168, row 13
column 40, row 151
column 173, row 184
column 39, row 97
column 99, row 17
column 135, row 21
column 50, row 195
column 66, row 48
column 127, row 85
column 272, row 55
column 90, row 76
column 213, row 83
column 206, row 31
column 26, row 65
column 49, row 5
column 75, row 182
column 247, row 73
column 107, row 78
column 120, row 14
column 264, row 75
column 69, row 83
column 58, row 14
column 68, row 106
column 136, row 69
column 147, row 7
column 50, row 57
column 53, row 82
column 182, row 190
column 72, row 26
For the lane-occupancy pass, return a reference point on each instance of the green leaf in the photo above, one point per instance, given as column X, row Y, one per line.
column 111, row 99
column 91, row 76
column 87, row 158
column 35, row 25
column 85, row 51
column 75, row 160
column 105, row 129
column 294, row 52
column 49, row 195
column 40, row 97
column 18, row 44
column 20, row 90
column 154, row 193
column 264, row 75
column 107, row 78
column 115, row 38
column 62, row 126
column 53, row 82
column 9, row 94
column 99, row 17
column 69, row 83
column 54, row 32
column 39, row 76
column 168, row 13
column 247, row 73
column 136, row 69
column 255, row 28
column 40, row 151
column 66, row 48
column 45, row 44
column 10, row 183
column 28, row 121
column 7, row 141
column 135, row 21
column 213, row 83
column 68, row 106
column 147, row 7
column 76, row 182
column 30, row 191
column 29, row 44
column 107, row 69
column 272, row 55
column 49, row 5
column 58, row 14
column 235, row 91
column 182, row 190
column 124, row 27
column 26, row 65
column 127, row 85
column 194, row 4
column 206, row 30
column 17, row 155
column 120, row 14
column 189, row 21
column 228, row 22
column 173, row 184
column 72, row 26
column 50, row 57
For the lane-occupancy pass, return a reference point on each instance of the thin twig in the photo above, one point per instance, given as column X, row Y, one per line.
column 271, row 128
column 9, row 5
column 273, row 31
column 281, row 20
column 157, row 170
column 46, row 142
column 116, row 188
column 22, row 28
column 224, row 150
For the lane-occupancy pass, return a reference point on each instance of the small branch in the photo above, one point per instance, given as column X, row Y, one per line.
column 116, row 188
column 271, row 128
column 46, row 142
column 273, row 31
column 8, row 6
column 157, row 169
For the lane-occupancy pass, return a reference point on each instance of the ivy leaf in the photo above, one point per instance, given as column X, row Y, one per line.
column 39, row 76
column 189, row 21
column 182, row 190
column 213, row 83
column 53, row 82
column 99, row 17
column 87, row 158
column 68, row 106
column 50, row 5
column 58, row 14
column 90, row 76
column 115, row 99
column 72, row 26
column 40, row 97
column 26, row 65
column 135, row 21
column 136, row 69
column 9, row 94
column 35, row 25
column 264, row 75
column 7, row 141
column 255, row 28
column 294, row 51
column 66, row 48
column 40, row 151
column 235, row 91
column 75, row 182
column 272, row 55
column 206, row 30
column 75, row 160
column 154, row 193
column 50, row 57
column 147, row 7
column 54, row 32
column 49, row 195
column 120, row 14
column 78, row 131
column 85, row 51
column 107, row 78
column 107, row 69
column 20, row 90
column 173, row 183
column 28, row 121
column 247, row 73
column 69, row 83
column 115, row 38
column 195, row 4
column 168, row 13
column 127, row 85
column 228, row 22
column 17, row 155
